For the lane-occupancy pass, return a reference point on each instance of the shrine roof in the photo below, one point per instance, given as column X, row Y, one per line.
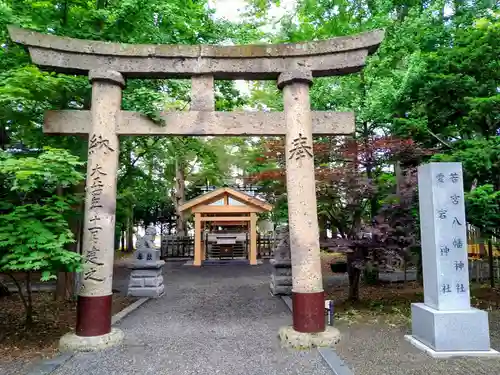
column 212, row 196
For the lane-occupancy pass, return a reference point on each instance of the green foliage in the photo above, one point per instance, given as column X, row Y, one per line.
column 51, row 169
column 33, row 238
column 434, row 79
column 147, row 172
column 146, row 101
column 483, row 209
column 480, row 159
column 34, row 228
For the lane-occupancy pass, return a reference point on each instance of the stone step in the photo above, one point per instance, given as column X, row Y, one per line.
column 281, row 263
column 280, row 289
column 283, row 271
column 281, row 280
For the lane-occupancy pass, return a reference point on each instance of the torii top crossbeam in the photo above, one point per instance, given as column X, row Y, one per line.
column 336, row 56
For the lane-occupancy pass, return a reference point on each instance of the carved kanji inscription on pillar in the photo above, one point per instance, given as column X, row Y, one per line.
column 301, row 148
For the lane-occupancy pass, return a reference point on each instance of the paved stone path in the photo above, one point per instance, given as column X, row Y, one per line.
column 381, row 350
column 213, row 320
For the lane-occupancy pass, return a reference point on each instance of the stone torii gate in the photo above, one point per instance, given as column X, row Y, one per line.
column 108, row 65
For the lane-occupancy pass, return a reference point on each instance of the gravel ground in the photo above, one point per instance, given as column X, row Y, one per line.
column 23, row 366
column 213, row 320
column 382, row 350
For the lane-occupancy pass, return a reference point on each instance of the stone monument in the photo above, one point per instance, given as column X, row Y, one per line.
column 445, row 324
column 146, row 278
column 281, row 275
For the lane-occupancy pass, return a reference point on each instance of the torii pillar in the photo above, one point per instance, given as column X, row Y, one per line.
column 93, row 322
column 308, row 297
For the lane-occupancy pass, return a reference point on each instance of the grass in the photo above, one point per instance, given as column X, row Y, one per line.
column 390, row 303
column 52, row 320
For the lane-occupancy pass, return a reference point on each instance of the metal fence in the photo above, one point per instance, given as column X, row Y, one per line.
column 177, row 247
column 183, row 247
column 479, row 270
column 265, row 246
column 478, row 244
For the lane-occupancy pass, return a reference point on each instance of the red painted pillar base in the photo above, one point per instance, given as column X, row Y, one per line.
column 93, row 315
column 308, row 312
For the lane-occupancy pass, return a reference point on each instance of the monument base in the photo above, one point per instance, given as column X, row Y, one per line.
column 70, row 342
column 448, row 354
column 146, row 283
column 450, row 331
column 280, row 290
column 291, row 338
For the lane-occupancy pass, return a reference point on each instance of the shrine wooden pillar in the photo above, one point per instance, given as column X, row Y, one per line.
column 253, row 239
column 197, row 239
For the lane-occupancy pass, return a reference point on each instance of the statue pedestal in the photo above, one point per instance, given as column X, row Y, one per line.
column 146, row 278
column 281, row 276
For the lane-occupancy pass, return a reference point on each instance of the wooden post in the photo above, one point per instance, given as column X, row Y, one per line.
column 197, row 239
column 203, row 242
column 491, row 263
column 253, row 239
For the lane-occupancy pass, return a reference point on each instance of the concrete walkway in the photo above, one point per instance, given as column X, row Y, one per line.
column 213, row 320
column 378, row 349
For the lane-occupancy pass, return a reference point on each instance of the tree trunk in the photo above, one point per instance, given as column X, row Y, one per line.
column 123, row 235
column 65, row 286
column 118, row 234
column 4, row 289
column 405, row 270
column 354, row 278
column 369, row 161
column 322, row 229
column 399, row 178
column 354, row 275
column 420, row 274
column 29, row 301
column 179, row 197
column 27, row 309
column 130, row 233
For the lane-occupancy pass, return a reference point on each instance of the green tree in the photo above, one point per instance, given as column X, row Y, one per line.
column 36, row 202
column 483, row 209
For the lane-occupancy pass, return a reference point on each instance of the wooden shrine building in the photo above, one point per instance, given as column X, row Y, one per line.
column 225, row 225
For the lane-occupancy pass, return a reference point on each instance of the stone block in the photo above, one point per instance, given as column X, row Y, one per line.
column 281, row 263
column 136, row 282
column 155, row 272
column 281, row 280
column 152, row 292
column 146, row 283
column 153, row 281
column 136, row 264
column 281, row 290
column 282, row 271
column 70, row 342
column 452, row 330
column 291, row 338
column 147, row 255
